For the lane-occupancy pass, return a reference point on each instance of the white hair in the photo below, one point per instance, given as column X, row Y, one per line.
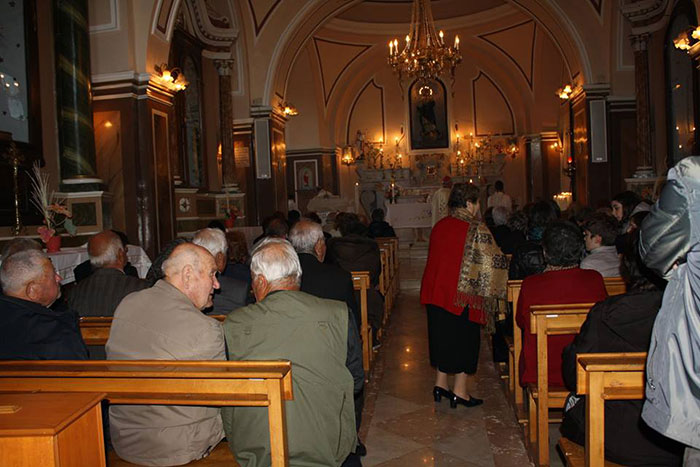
column 21, row 268
column 500, row 215
column 276, row 260
column 305, row 235
column 110, row 252
column 213, row 240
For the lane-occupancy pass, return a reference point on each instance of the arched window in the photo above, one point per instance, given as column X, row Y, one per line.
column 681, row 88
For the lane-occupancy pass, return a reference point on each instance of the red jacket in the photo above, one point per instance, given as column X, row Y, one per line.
column 439, row 285
column 551, row 288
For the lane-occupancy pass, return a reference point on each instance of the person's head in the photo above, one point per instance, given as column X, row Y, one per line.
column 350, row 224
column 192, row 270
column 18, row 244
column 633, row 270
column 517, row 222
column 498, row 185
column 623, row 204
column 293, row 216
column 447, row 182
column 464, row 195
column 312, row 216
column 578, row 214
column 217, row 224
column 600, row 230
column 106, row 250
column 275, row 227
column 214, row 241
column 307, row 237
column 363, row 219
column 237, row 247
column 274, row 266
column 500, row 215
column 30, row 275
column 540, row 215
column 562, row 244
column 636, row 220
column 378, row 215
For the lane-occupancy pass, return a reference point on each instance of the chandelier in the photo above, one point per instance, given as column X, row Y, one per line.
column 425, row 55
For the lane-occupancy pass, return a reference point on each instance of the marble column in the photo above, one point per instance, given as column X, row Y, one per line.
column 228, row 162
column 75, row 130
column 645, row 167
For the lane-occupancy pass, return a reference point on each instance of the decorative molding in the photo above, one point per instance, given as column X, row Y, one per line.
column 113, row 24
column 259, row 25
column 328, row 92
column 206, row 31
column 528, row 76
column 646, row 16
column 621, row 42
column 505, row 101
column 354, row 103
column 163, row 25
column 597, row 6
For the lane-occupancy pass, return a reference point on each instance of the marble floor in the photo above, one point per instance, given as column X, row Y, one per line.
column 403, row 426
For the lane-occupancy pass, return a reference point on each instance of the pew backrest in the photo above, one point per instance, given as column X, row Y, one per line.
column 360, row 281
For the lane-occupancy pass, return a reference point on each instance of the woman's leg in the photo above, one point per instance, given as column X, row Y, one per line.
column 441, row 380
column 464, row 385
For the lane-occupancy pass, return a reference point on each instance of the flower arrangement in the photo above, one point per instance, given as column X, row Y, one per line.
column 56, row 215
column 231, row 216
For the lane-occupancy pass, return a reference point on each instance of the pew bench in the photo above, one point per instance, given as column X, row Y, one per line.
column 213, row 383
column 220, row 456
column 601, row 377
column 360, row 281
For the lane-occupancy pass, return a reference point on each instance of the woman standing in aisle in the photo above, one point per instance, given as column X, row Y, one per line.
column 464, row 279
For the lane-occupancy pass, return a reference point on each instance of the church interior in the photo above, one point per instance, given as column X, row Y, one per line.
column 158, row 118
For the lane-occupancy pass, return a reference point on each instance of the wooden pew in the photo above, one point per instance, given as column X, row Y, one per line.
column 613, row 286
column 360, row 280
column 601, row 377
column 549, row 320
column 392, row 246
column 385, row 283
column 214, row 383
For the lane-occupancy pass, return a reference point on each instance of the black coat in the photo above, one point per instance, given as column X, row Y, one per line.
column 356, row 253
column 622, row 323
column 528, row 259
column 380, row 229
column 507, row 240
column 328, row 281
column 29, row 331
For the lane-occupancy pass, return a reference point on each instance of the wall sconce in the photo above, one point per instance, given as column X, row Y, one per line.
column 172, row 79
column 347, row 157
column 687, row 39
column 565, row 92
column 288, row 109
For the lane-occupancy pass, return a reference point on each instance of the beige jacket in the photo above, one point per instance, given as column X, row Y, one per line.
column 161, row 323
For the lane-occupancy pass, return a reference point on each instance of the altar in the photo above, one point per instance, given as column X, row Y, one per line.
column 409, row 215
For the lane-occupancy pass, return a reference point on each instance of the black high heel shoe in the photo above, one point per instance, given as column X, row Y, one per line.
column 471, row 402
column 439, row 393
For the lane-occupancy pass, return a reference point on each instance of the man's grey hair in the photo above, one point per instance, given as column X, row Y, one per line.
column 109, row 253
column 500, row 215
column 213, row 240
column 305, row 235
column 21, row 268
column 18, row 244
column 276, row 260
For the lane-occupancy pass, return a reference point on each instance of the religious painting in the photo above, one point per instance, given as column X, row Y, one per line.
column 305, row 175
column 428, row 114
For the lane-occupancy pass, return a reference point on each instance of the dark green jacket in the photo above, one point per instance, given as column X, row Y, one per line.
column 312, row 333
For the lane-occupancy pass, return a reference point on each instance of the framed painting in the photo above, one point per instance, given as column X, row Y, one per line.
column 305, row 175
column 428, row 114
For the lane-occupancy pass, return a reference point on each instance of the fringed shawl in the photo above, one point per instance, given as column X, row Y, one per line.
column 483, row 274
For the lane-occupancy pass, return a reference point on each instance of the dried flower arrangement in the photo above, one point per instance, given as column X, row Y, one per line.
column 56, row 215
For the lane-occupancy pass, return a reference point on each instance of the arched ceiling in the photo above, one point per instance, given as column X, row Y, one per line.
column 399, row 11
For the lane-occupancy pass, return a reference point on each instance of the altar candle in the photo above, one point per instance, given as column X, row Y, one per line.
column 357, row 198
column 393, row 195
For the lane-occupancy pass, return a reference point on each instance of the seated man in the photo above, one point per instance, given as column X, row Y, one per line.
column 29, row 330
column 379, row 227
column 621, row 323
column 85, row 269
column 232, row 292
column 165, row 322
column 561, row 282
column 312, row 332
column 104, row 289
column 600, row 232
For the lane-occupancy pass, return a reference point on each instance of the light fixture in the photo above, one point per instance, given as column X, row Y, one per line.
column 172, row 79
column 347, row 157
column 425, row 55
column 288, row 109
column 565, row 92
column 687, row 39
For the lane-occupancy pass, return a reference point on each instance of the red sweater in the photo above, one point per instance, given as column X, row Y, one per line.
column 552, row 288
column 441, row 274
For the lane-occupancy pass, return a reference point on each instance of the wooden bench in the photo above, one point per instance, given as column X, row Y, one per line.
column 601, row 377
column 392, row 246
column 95, row 329
column 167, row 382
column 360, row 280
column 613, row 286
column 549, row 320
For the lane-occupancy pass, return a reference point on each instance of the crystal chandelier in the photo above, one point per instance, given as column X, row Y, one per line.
column 425, row 55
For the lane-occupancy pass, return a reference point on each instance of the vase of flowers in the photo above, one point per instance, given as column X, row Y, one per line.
column 230, row 220
column 56, row 216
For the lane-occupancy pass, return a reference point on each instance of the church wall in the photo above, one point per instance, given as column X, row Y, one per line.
column 111, row 37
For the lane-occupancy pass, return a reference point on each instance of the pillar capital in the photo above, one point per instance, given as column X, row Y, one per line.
column 640, row 42
column 224, row 66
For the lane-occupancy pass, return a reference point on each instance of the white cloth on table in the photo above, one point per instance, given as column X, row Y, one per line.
column 67, row 259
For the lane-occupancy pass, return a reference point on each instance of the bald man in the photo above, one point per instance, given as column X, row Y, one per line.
column 104, row 289
column 165, row 322
column 29, row 330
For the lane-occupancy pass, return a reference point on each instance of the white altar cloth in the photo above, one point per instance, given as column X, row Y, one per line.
column 409, row 215
column 68, row 258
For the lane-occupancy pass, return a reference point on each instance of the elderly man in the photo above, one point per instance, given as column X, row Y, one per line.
column 286, row 323
column 29, row 330
column 104, row 289
column 232, row 293
column 165, row 322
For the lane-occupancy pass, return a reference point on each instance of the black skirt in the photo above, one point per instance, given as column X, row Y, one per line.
column 453, row 340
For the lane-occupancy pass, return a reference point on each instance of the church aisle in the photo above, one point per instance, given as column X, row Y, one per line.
column 403, row 426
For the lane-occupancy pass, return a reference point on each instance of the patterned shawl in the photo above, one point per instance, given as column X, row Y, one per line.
column 483, row 274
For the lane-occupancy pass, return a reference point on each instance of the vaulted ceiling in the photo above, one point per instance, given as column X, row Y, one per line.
column 399, row 11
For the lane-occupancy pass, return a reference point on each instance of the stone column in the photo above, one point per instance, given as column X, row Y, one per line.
column 228, row 161
column 645, row 166
column 76, row 138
